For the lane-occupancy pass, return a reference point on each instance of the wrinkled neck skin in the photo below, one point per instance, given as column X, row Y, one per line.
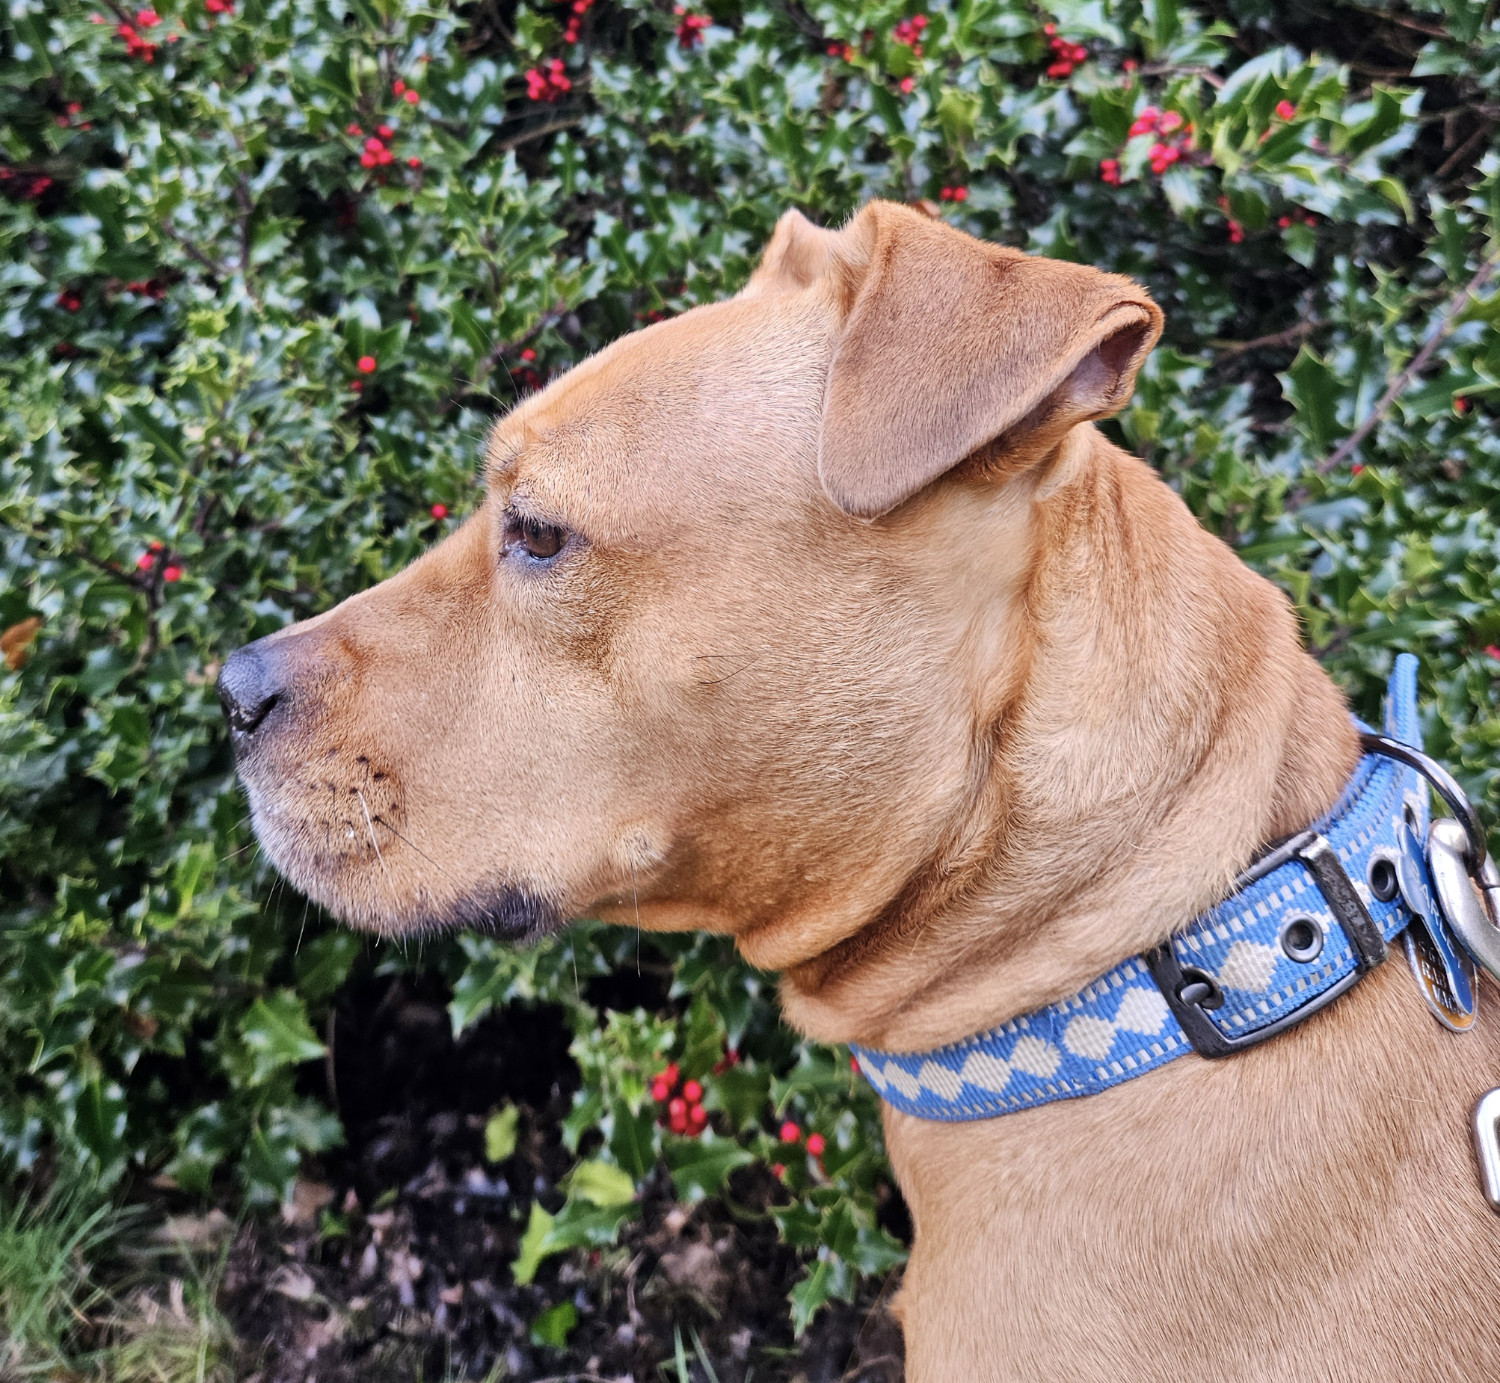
column 1155, row 720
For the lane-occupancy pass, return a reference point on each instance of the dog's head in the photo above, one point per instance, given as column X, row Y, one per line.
column 721, row 646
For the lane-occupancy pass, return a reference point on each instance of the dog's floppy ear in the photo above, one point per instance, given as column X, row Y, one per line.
column 797, row 255
column 951, row 343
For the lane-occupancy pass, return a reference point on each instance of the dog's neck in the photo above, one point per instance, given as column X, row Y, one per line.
column 1167, row 723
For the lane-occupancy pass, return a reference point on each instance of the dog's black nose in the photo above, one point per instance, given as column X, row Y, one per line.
column 249, row 687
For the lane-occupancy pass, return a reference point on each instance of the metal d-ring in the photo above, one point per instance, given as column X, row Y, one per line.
column 1445, row 785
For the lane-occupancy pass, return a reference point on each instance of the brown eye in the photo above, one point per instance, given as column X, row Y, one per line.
column 539, row 540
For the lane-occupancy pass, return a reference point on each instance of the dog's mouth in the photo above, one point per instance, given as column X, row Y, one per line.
column 336, row 826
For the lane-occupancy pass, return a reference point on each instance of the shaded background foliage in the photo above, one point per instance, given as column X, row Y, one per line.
column 270, row 268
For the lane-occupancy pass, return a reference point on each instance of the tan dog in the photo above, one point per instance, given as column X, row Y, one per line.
column 824, row 618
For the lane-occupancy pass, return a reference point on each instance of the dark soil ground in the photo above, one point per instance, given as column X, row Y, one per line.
column 395, row 1261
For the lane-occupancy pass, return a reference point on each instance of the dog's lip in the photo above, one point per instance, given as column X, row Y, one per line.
column 512, row 915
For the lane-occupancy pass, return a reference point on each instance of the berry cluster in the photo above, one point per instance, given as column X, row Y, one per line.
column 550, row 84
column 527, row 376
column 953, row 194
column 909, row 32
column 24, row 187
column 69, row 301
column 377, row 151
column 1066, row 55
column 218, row 7
column 74, row 109
column 575, row 20
column 690, row 27
column 846, row 51
column 1297, row 216
column 147, row 561
column 682, row 1111
column 790, row 1134
column 1163, row 152
column 155, row 289
column 135, row 45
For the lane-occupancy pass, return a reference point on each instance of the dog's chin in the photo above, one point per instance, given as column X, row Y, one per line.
column 506, row 913
column 367, row 895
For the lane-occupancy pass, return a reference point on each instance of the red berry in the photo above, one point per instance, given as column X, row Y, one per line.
column 439, row 511
column 1060, row 70
column 1492, row 651
column 384, row 157
column 671, row 1073
column 790, row 1133
column 1049, row 28
column 385, row 131
column 854, row 1064
column 1358, row 468
column 413, row 162
column 960, row 194
column 1460, row 406
column 692, row 1092
column 398, row 86
column 815, row 1144
column 171, row 573
column 352, row 128
column 365, row 364
column 660, row 1090
column 411, row 98
column 367, row 160
column 697, row 1114
column 147, row 19
column 357, row 385
column 1285, row 110
column 778, row 1169
column 145, row 561
column 678, row 1108
column 373, row 145
column 677, row 1123
column 528, row 355
column 908, row 85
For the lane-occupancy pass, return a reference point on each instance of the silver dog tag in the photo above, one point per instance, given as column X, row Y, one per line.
column 1447, row 846
column 1445, row 974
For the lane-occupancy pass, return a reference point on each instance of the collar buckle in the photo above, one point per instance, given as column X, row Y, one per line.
column 1190, row 993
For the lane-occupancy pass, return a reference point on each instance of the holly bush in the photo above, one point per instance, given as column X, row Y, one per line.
column 271, row 266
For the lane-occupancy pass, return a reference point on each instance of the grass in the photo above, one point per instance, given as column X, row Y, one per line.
column 61, row 1321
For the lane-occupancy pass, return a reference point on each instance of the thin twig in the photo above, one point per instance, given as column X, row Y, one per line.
column 1418, row 362
column 207, row 261
column 1290, row 337
column 1463, row 151
column 537, row 131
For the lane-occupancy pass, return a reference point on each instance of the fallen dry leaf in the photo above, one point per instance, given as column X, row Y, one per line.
column 293, row 1281
column 15, row 642
column 308, row 1197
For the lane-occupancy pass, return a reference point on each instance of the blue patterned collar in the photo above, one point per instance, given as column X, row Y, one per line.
column 1302, row 925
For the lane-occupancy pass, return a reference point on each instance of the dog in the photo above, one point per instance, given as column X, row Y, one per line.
column 825, row 618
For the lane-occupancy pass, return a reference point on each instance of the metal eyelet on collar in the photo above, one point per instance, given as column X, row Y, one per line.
column 1301, row 939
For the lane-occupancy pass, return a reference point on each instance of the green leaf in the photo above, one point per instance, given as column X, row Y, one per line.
column 701, row 1166
column 1315, row 392
column 554, row 1325
column 533, row 1247
column 277, row 1034
column 601, row 1183
column 500, row 1133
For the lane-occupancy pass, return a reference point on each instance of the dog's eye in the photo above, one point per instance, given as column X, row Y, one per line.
column 537, row 539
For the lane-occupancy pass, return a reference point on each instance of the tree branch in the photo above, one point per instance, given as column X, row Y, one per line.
column 1418, row 362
